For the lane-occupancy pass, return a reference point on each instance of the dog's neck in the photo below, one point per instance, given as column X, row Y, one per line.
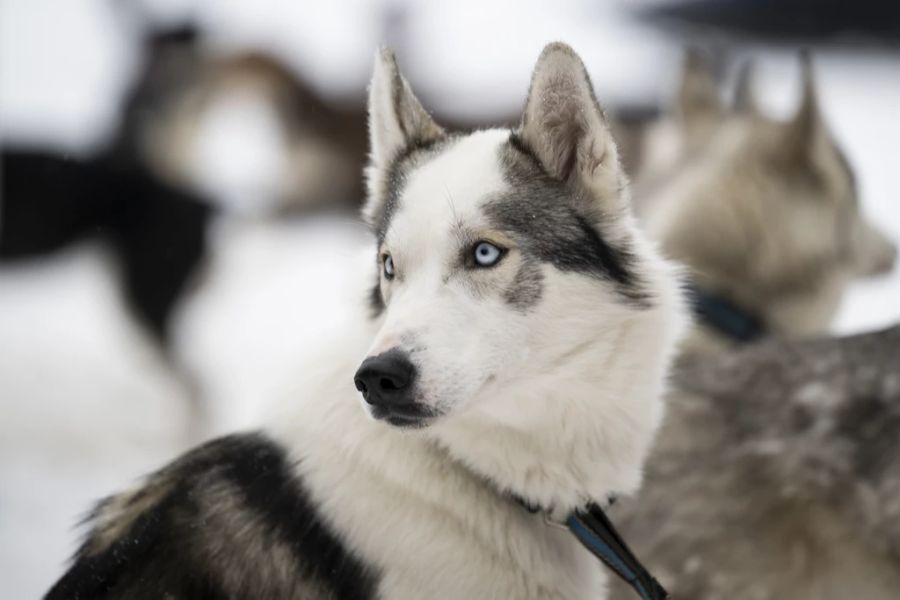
column 726, row 318
column 570, row 442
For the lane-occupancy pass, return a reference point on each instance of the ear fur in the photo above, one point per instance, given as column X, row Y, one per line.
column 397, row 121
column 562, row 123
column 805, row 129
column 698, row 94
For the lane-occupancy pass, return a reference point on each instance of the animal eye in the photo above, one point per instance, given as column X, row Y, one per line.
column 388, row 264
column 487, row 254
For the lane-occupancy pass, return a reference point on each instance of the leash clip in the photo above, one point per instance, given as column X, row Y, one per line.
column 555, row 524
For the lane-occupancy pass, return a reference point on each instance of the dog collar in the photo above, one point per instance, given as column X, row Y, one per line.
column 725, row 316
column 596, row 532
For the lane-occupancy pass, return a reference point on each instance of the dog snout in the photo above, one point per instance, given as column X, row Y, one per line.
column 386, row 380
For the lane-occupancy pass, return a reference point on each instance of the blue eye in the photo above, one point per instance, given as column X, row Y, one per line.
column 388, row 266
column 487, row 254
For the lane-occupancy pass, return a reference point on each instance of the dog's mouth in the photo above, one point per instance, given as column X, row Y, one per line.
column 412, row 416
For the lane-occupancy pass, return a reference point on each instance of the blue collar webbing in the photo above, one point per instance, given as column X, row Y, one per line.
column 725, row 316
column 596, row 532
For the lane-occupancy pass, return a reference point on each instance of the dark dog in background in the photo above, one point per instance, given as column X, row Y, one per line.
column 139, row 194
column 156, row 231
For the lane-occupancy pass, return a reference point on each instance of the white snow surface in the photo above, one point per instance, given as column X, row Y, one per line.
column 87, row 403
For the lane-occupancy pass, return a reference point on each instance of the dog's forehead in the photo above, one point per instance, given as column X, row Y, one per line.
column 450, row 188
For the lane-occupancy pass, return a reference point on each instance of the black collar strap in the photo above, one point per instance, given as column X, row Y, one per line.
column 596, row 532
column 725, row 316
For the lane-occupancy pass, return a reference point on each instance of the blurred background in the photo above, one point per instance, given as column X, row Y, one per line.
column 180, row 181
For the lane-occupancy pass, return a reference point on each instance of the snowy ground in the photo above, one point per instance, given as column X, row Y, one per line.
column 86, row 404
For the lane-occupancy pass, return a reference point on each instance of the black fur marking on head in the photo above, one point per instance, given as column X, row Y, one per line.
column 229, row 519
column 413, row 156
column 527, row 286
column 550, row 223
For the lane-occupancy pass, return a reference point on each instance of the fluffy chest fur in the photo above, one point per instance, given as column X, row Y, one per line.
column 424, row 522
column 417, row 516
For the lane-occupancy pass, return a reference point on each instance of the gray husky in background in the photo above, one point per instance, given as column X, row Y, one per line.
column 775, row 472
column 514, row 354
column 765, row 213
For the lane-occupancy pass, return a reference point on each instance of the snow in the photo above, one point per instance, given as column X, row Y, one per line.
column 86, row 401
column 85, row 407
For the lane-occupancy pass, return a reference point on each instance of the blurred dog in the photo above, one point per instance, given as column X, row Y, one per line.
column 765, row 214
column 520, row 331
column 156, row 231
column 242, row 128
column 745, row 490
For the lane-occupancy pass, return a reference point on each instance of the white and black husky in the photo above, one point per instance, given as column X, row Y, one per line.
column 516, row 357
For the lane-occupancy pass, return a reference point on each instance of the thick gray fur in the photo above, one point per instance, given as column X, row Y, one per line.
column 777, row 474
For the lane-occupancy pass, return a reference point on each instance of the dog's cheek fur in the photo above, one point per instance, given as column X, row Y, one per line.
column 527, row 286
column 227, row 520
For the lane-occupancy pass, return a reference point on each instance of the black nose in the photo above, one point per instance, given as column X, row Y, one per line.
column 386, row 380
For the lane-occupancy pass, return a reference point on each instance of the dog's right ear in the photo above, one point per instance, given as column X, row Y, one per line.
column 397, row 121
column 396, row 117
column 698, row 95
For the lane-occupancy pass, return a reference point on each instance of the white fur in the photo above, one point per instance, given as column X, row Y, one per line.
column 557, row 404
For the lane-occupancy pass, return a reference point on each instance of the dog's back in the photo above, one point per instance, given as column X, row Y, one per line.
column 776, row 474
column 227, row 520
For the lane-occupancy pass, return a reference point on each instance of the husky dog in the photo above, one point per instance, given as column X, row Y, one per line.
column 764, row 212
column 516, row 354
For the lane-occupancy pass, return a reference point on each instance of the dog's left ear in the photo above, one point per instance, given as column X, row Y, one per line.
column 563, row 124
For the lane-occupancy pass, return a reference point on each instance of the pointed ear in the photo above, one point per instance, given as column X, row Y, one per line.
column 563, row 124
column 744, row 98
column 698, row 95
column 805, row 129
column 396, row 117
